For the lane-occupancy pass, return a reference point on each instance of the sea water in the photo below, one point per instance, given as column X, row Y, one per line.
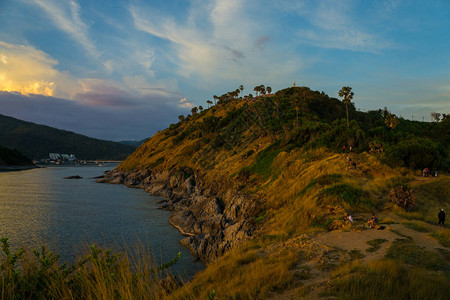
column 39, row 207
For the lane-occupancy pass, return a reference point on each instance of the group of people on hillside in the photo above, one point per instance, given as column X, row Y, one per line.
column 373, row 221
column 350, row 164
column 426, row 172
column 344, row 149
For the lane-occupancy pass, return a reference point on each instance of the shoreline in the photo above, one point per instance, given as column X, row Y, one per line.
column 16, row 168
column 211, row 223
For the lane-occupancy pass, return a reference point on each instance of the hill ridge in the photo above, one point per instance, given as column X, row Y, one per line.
column 37, row 141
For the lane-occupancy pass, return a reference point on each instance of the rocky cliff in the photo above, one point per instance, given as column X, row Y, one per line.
column 213, row 222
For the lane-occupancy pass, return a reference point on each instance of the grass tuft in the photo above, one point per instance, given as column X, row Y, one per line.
column 443, row 236
column 375, row 244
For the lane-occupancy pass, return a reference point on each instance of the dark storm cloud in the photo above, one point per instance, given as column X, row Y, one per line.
column 120, row 120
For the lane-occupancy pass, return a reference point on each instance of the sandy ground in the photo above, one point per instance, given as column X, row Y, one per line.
column 356, row 239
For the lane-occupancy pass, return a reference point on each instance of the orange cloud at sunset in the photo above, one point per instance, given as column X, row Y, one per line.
column 27, row 70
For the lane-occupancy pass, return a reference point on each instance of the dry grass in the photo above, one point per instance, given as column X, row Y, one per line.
column 99, row 274
column 289, row 185
column 387, row 279
column 246, row 273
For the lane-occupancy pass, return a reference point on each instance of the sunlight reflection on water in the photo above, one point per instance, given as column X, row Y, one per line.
column 40, row 207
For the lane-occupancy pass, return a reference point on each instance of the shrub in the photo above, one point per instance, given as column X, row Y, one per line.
column 403, row 197
column 416, row 153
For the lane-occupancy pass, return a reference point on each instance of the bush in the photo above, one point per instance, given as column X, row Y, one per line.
column 403, row 197
column 416, row 153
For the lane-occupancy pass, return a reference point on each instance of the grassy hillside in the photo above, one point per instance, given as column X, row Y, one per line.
column 37, row 141
column 285, row 152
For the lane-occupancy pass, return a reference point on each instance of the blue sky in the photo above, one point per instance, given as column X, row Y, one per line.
column 125, row 69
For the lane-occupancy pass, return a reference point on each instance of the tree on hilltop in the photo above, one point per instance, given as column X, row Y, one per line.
column 241, row 88
column 256, row 89
column 436, row 116
column 209, row 102
column 181, row 118
column 262, row 89
column 391, row 120
column 269, row 90
column 347, row 94
column 194, row 110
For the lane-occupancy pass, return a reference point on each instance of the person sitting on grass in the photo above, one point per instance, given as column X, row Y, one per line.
column 373, row 221
column 349, row 218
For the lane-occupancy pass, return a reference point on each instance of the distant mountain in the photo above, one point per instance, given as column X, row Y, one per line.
column 10, row 157
column 133, row 143
column 37, row 141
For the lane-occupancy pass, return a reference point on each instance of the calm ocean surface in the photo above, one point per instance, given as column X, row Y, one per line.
column 40, row 207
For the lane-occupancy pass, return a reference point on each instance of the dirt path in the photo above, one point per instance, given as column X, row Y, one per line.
column 356, row 239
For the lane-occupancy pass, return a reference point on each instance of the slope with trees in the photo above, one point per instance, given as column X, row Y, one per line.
column 37, row 141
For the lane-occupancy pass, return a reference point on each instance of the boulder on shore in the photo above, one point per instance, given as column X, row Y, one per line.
column 73, row 177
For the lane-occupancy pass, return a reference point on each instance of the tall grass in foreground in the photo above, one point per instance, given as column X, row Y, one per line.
column 387, row 279
column 100, row 274
column 248, row 272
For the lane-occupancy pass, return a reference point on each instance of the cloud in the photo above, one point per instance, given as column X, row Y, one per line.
column 30, row 71
column 66, row 15
column 185, row 103
column 219, row 41
column 139, row 120
column 333, row 25
column 31, row 88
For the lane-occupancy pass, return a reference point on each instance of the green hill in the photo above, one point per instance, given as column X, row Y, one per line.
column 249, row 176
column 37, row 141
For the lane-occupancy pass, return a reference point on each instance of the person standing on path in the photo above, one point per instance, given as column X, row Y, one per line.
column 441, row 217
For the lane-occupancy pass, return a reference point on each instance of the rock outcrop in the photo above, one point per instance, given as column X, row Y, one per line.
column 213, row 223
column 73, row 177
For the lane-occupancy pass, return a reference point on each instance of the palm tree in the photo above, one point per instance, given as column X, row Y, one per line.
column 241, row 88
column 262, row 89
column 257, row 89
column 347, row 94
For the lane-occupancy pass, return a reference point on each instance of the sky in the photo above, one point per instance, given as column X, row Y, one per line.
column 122, row 70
